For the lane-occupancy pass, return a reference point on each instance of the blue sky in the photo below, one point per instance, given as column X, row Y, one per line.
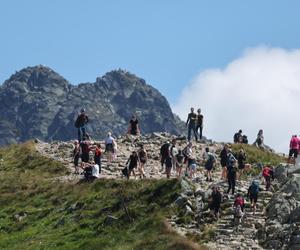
column 165, row 42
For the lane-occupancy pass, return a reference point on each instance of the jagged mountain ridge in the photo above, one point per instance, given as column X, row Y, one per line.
column 38, row 102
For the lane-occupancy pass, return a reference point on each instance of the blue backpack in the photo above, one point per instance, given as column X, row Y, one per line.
column 254, row 188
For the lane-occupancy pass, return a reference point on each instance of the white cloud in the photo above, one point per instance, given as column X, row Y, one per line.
column 261, row 89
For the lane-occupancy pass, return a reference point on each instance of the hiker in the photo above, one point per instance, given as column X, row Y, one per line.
column 239, row 204
column 133, row 162
column 268, row 174
column 294, row 149
column 245, row 139
column 80, row 123
column 109, row 148
column 238, row 137
column 164, row 154
column 85, row 146
column 174, row 152
column 223, row 161
column 259, row 142
column 191, row 123
column 231, row 172
column 241, row 158
column 192, row 165
column 253, row 191
column 210, row 159
column 133, row 128
column 215, row 204
column 98, row 156
column 199, row 124
column 187, row 151
column 76, row 156
column 91, row 170
column 168, row 165
column 179, row 163
column 142, row 154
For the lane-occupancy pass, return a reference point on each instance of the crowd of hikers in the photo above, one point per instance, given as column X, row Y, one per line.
column 177, row 160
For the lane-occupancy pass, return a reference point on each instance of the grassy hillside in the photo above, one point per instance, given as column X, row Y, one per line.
column 39, row 213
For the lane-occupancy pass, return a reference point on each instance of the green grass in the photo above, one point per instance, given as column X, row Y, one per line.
column 52, row 221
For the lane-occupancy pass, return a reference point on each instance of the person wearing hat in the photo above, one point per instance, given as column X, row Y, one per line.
column 80, row 123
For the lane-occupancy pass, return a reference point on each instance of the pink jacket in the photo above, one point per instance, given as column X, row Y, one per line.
column 294, row 143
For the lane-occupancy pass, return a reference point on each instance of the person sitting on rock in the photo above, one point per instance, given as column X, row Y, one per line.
column 80, row 123
column 223, row 161
column 268, row 174
column 259, row 142
column 294, row 149
column 91, row 170
column 85, row 150
column 98, row 156
column 179, row 163
column 210, row 160
column 133, row 128
column 109, row 148
column 76, row 156
column 191, row 123
column 142, row 153
column 253, row 191
column 215, row 204
column 164, row 154
column 132, row 162
column 245, row 139
column 238, row 137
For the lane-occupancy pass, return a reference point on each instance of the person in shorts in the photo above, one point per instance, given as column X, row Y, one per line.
column 294, row 149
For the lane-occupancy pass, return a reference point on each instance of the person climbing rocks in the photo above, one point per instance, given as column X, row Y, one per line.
column 259, row 142
column 223, row 161
column 132, row 162
column 142, row 154
column 294, row 149
column 241, row 158
column 187, row 151
column 199, row 124
column 238, row 137
column 133, row 128
column 215, row 203
column 76, row 156
column 164, row 154
column 253, row 191
column 98, row 156
column 268, row 174
column 109, row 148
column 179, row 163
column 85, row 146
column 174, row 152
column 239, row 205
column 191, row 123
column 231, row 172
column 91, row 170
column 210, row 160
column 80, row 123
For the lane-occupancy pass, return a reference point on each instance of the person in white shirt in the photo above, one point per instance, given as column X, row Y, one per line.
column 91, row 170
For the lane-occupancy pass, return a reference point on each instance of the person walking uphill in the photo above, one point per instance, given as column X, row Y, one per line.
column 191, row 123
column 294, row 149
column 80, row 123
column 199, row 125
column 231, row 172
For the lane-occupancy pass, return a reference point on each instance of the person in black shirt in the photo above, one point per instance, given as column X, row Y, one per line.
column 164, row 154
column 80, row 123
column 133, row 162
column 199, row 125
column 216, row 199
column 133, row 126
column 238, row 137
column 224, row 159
column 241, row 158
column 191, row 123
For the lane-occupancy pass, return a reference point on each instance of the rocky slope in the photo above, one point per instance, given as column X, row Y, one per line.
column 38, row 102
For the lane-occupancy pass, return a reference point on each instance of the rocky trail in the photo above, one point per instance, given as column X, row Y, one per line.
column 193, row 200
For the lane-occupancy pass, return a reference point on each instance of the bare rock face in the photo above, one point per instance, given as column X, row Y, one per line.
column 36, row 102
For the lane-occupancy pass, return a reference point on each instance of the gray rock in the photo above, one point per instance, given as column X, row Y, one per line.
column 274, row 244
column 187, row 187
column 181, row 201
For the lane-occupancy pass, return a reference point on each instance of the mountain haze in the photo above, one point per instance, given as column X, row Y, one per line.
column 38, row 102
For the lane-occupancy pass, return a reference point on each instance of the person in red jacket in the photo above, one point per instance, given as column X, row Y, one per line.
column 239, row 201
column 267, row 173
column 294, row 149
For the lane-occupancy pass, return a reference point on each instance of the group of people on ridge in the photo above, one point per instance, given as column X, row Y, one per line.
column 239, row 137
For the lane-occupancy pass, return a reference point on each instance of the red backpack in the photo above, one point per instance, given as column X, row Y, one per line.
column 266, row 172
column 239, row 201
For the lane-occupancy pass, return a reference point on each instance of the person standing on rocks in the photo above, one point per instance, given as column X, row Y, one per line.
column 133, row 128
column 268, row 174
column 142, row 153
column 294, row 149
column 80, row 124
column 133, row 162
column 241, row 158
column 174, row 152
column 109, row 148
column 253, row 191
column 179, row 163
column 199, row 126
column 223, row 157
column 98, row 155
column 210, row 160
column 191, row 123
column 231, row 172
column 76, row 155
column 85, row 150
column 192, row 165
column 215, row 204
column 187, row 151
column 164, row 154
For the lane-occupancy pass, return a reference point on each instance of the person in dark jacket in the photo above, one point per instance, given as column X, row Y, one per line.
column 133, row 162
column 80, row 124
column 223, row 157
column 191, row 123
column 215, row 204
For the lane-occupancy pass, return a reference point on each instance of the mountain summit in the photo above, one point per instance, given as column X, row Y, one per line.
column 38, row 102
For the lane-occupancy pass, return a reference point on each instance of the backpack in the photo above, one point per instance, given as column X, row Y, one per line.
column 254, row 188
column 266, row 172
column 239, row 201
